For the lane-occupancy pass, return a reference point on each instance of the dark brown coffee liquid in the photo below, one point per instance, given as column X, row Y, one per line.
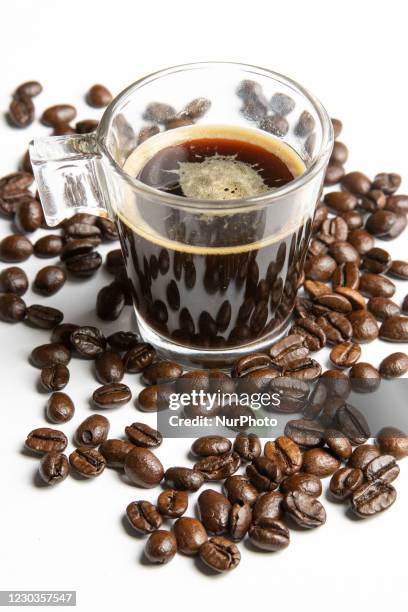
column 213, row 281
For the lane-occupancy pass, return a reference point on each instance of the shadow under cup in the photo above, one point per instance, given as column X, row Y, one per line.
column 213, row 280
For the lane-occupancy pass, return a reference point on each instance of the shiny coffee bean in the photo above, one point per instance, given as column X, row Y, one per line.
column 211, row 445
column 123, row 341
column 81, row 264
column 60, row 408
column 54, row 378
column 143, row 468
column 112, row 395
column 28, row 216
column 250, row 363
column 28, row 88
column 54, row 467
column 139, row 357
column 289, row 349
column 218, row 467
column 313, row 335
column 320, row 268
column 88, row 341
column 377, row 260
column 335, row 302
column 381, row 222
column 86, row 126
column 354, row 297
column 304, row 509
column 240, row 491
column 12, row 308
column 271, row 535
column 172, row 503
column 393, row 441
column 268, row 506
column 362, row 455
column 373, row 200
column 45, row 440
column 340, row 201
column 372, row 498
column 375, row 285
column 395, row 329
column 305, row 432
column 364, row 378
column 286, row 453
column 49, row 280
column 143, row 516
column 60, row 113
column 62, row 334
column 13, row 280
column 190, row 535
column 399, row 269
column 387, row 182
column 336, row 327
column 141, row 434
column 109, row 367
column 50, row 354
column 248, row 446
column 339, row 154
column 93, row 431
column 110, row 302
column 394, row 365
column 345, row 481
column 21, row 111
column 364, row 325
column 302, row 482
column 334, row 174
column 161, row 546
column 15, row 248
column 356, row 183
column 162, row 371
column 353, row 424
column 264, row 474
column 115, row 451
column 220, row 554
column 345, row 354
column 384, row 468
column 99, row 96
column 153, row 398
column 319, row 462
column 343, row 252
column 338, row 444
column 214, row 510
column 382, row 307
column 239, row 521
column 361, row 240
column 337, row 383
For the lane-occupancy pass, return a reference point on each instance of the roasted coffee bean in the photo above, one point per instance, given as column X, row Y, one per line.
column 108, row 229
column 356, row 183
column 354, row 297
column 153, row 399
column 377, row 260
column 387, row 182
column 218, row 467
column 12, row 308
column 93, row 431
column 55, row 378
column 258, row 380
column 83, row 265
column 353, row 219
column 248, row 446
column 375, row 285
column 334, row 174
column 139, row 357
column 361, row 240
column 250, row 363
column 304, row 509
column 112, row 395
column 160, row 547
column 364, row 378
column 404, row 306
column 49, row 280
column 274, row 124
column 143, row 435
column 211, row 445
column 50, row 354
column 45, row 440
column 335, row 302
column 54, row 467
column 313, row 335
column 338, row 443
column 271, row 535
column 214, row 509
column 345, row 481
column 264, row 474
column 62, row 334
column 353, row 424
column 44, row 317
column 28, row 215
column 381, row 222
column 346, row 275
column 333, row 229
column 337, row 383
column 239, row 521
column 287, row 350
column 240, row 491
column 115, row 451
column 345, row 354
column 63, row 129
column 88, row 341
column 292, row 390
column 29, row 88
column 315, row 288
column 220, row 554
column 384, row 468
column 282, row 104
column 86, row 126
column 158, row 112
column 394, row 365
column 172, row 503
column 268, row 506
column 343, row 252
column 143, row 468
column 373, row 200
column 320, row 215
column 397, row 203
column 15, row 184
column 123, row 341
column 340, row 201
column 109, row 367
column 60, row 113
column 286, row 453
column 190, row 535
column 320, row 268
column 372, row 498
column 362, row 455
column 99, row 96
column 143, row 516
column 162, row 371
column 21, row 111
column 305, row 483
column 395, row 329
column 399, row 269
column 339, row 154
column 304, row 432
column 337, row 127
column 382, row 307
column 13, row 280
column 60, row 408
column 393, row 441
column 115, row 261
column 15, row 248
column 365, row 328
column 110, row 302
column 319, row 462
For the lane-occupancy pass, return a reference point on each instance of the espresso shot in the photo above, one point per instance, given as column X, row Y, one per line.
column 214, row 279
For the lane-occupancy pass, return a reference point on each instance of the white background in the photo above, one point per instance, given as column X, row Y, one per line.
column 352, row 56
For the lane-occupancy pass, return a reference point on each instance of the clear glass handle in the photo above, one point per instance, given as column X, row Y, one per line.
column 69, row 175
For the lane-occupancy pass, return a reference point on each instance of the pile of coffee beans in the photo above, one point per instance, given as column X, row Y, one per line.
column 346, row 301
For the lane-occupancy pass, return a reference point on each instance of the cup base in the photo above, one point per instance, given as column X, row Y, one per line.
column 192, row 357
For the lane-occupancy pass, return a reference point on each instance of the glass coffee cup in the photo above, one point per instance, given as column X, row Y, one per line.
column 212, row 173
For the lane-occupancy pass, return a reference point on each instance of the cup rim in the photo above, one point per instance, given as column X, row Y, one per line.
column 181, row 202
